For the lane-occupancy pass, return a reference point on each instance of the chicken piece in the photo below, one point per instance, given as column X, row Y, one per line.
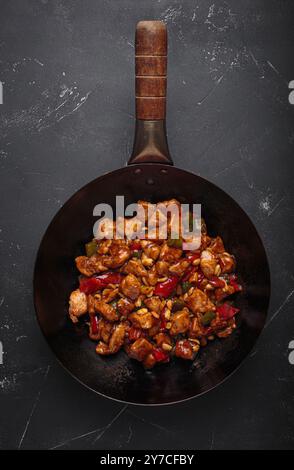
column 104, row 329
column 179, row 267
column 117, row 338
column 104, row 246
column 196, row 329
column 109, row 294
column 162, row 268
column 151, row 250
column 130, row 286
column 91, row 304
column 155, row 328
column 77, row 305
column 107, row 311
column 217, row 245
column 198, row 301
column 153, row 304
column 180, row 322
column 162, row 339
column 90, row 266
column 208, row 262
column 119, row 253
column 169, row 253
column 140, row 349
column 227, row 262
column 135, row 266
column 152, row 277
column 142, row 320
column 184, row 349
column 115, row 342
column 125, row 306
column 149, row 361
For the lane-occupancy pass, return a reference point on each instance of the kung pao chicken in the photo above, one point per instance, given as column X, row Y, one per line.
column 152, row 298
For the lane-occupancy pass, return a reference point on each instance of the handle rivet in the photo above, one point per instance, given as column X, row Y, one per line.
column 150, row 181
column 137, row 171
column 164, row 171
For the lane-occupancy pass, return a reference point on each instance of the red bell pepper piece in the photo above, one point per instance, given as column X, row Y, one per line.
column 135, row 246
column 94, row 324
column 227, row 311
column 233, row 281
column 160, row 355
column 192, row 256
column 217, row 282
column 165, row 289
column 92, row 284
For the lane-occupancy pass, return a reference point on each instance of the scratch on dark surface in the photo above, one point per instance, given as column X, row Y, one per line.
column 122, row 410
column 227, row 168
column 280, row 308
column 76, row 438
column 130, row 435
column 151, row 423
column 211, row 91
column 33, row 408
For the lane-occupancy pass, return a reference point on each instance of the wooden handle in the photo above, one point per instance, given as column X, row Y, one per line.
column 151, row 64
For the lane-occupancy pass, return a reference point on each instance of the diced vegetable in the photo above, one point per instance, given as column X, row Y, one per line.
column 160, row 355
column 135, row 246
column 178, row 305
column 192, row 256
column 94, row 324
column 186, row 286
column 91, row 248
column 95, row 283
column 217, row 282
column 175, row 242
column 164, row 289
column 227, row 311
column 233, row 281
column 136, row 253
column 207, row 317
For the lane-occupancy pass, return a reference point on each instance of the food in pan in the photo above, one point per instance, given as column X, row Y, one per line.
column 152, row 298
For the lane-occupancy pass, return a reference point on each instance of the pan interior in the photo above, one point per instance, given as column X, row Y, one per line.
column 119, row 377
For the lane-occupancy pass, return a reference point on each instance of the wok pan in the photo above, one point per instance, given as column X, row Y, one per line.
column 150, row 175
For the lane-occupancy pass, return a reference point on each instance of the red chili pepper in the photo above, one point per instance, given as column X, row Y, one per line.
column 135, row 246
column 160, row 355
column 94, row 324
column 92, row 284
column 164, row 289
column 217, row 282
column 188, row 273
column 192, row 256
column 233, row 281
column 135, row 333
column 163, row 324
column 226, row 311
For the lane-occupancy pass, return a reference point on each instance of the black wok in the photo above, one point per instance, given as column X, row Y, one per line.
column 149, row 175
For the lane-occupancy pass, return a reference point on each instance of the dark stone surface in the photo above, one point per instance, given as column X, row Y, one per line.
column 67, row 69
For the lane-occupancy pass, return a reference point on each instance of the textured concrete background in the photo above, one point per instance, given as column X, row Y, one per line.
column 68, row 116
